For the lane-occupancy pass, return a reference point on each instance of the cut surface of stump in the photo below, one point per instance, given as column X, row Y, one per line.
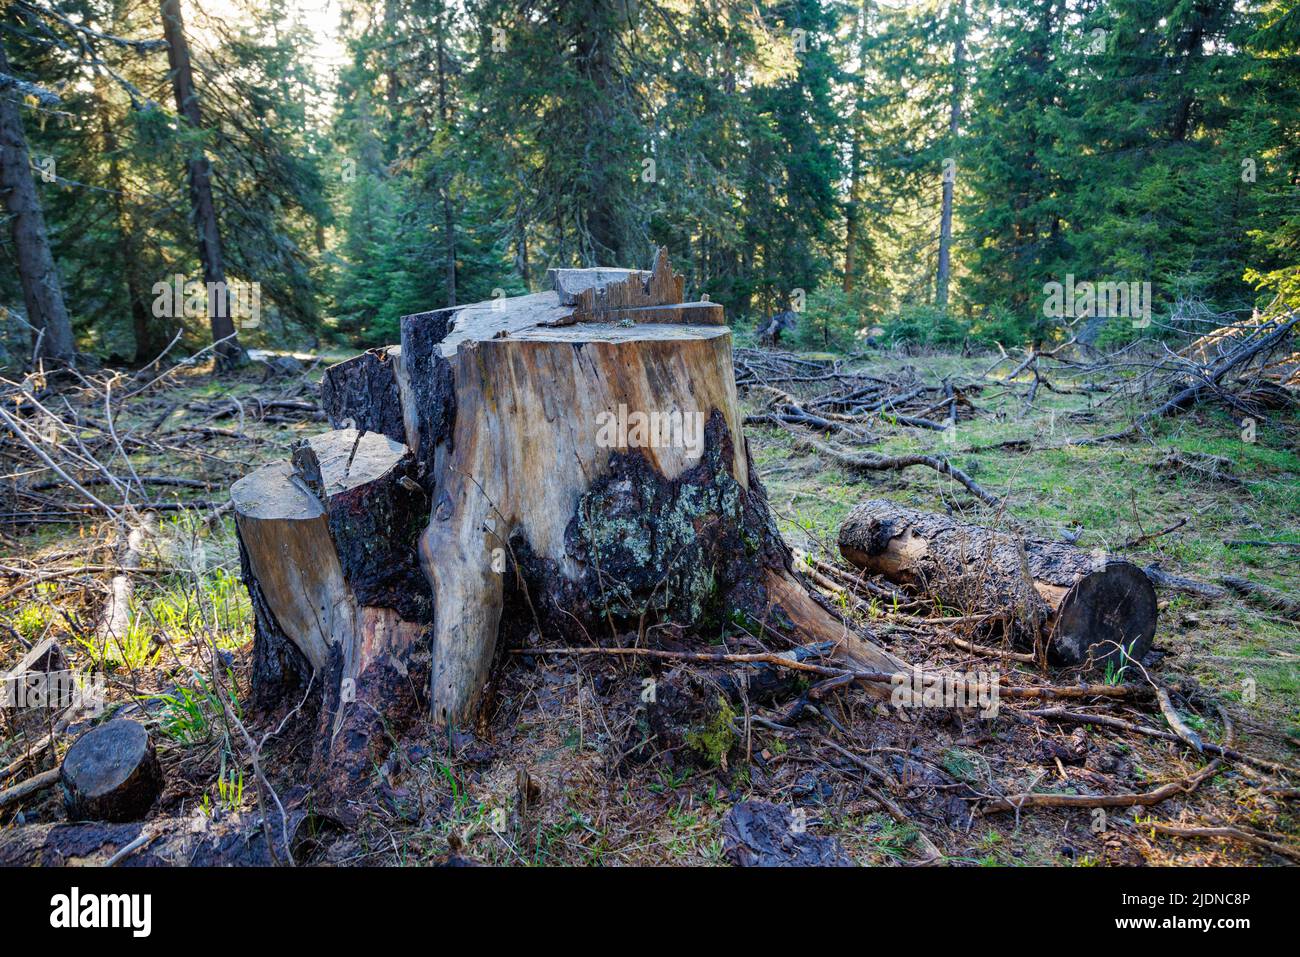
column 1086, row 607
column 111, row 773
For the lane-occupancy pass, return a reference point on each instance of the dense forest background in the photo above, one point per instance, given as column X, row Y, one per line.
column 925, row 168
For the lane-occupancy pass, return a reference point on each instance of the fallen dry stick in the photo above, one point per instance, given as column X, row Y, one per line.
column 1016, row 802
column 1229, row 833
column 873, row 462
column 31, row 786
column 1176, row 721
column 1076, row 717
column 973, row 648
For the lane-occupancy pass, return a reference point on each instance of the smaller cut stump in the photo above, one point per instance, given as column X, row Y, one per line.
column 111, row 773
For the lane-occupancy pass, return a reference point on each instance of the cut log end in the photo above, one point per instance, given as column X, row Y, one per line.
column 1089, row 611
column 111, row 773
column 1107, row 617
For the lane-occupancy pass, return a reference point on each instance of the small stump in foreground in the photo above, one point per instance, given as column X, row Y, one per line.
column 111, row 773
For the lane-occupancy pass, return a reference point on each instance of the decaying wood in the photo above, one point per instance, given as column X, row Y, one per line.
column 200, row 840
column 1084, row 609
column 33, row 669
column 111, row 773
column 585, row 469
column 328, row 546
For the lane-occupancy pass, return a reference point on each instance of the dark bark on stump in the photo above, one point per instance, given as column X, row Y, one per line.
column 361, row 393
column 426, row 389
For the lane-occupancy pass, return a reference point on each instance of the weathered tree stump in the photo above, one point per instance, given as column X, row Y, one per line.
column 40, row 680
column 328, row 546
column 1085, row 607
column 111, row 773
column 587, row 475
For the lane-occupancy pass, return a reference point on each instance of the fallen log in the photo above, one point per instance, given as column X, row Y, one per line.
column 585, row 470
column 1082, row 609
column 1270, row 599
column 115, row 619
column 1188, row 586
column 236, row 840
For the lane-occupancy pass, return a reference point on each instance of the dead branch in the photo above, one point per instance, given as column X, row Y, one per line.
column 1230, row 833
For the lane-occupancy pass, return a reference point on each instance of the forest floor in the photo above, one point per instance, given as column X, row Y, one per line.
column 549, row 778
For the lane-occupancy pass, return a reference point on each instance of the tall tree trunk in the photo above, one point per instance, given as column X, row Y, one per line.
column 150, row 334
column 42, row 289
column 448, row 220
column 944, row 270
column 600, row 240
column 852, row 215
column 392, row 80
column 521, row 252
column 853, row 210
column 449, row 237
column 228, row 351
column 1183, row 112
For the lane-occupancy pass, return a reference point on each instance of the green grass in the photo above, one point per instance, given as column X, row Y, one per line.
column 31, row 616
column 134, row 650
column 1108, row 494
column 879, row 837
column 191, row 715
